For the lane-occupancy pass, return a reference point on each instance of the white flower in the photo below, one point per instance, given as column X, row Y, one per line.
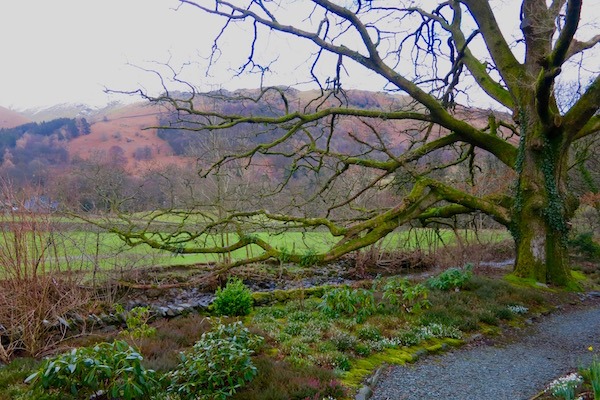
column 565, row 384
column 516, row 309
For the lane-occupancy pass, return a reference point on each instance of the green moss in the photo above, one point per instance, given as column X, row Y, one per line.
column 577, row 282
column 573, row 285
column 490, row 330
column 578, row 276
column 438, row 345
column 280, row 296
column 262, row 298
column 522, row 282
column 272, row 352
column 363, row 367
column 297, row 294
column 317, row 291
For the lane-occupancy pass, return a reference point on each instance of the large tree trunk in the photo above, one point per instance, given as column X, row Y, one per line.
column 542, row 207
column 541, row 252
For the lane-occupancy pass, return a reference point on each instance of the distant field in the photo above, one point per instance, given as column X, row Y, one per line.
column 80, row 246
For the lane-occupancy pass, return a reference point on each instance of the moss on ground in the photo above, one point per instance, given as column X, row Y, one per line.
column 361, row 368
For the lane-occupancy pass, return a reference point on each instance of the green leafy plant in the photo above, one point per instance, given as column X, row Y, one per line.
column 113, row 369
column 452, row 278
column 585, row 245
column 399, row 293
column 234, row 300
column 137, row 322
column 217, row 366
column 591, row 376
column 359, row 303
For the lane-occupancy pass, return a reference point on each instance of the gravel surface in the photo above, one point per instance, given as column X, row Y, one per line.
column 553, row 347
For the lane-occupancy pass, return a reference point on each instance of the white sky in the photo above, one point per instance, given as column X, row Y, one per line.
column 56, row 51
column 69, row 50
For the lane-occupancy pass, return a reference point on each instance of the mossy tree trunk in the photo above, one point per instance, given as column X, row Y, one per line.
column 542, row 207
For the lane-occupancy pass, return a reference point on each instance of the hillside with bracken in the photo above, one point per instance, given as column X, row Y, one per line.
column 127, row 135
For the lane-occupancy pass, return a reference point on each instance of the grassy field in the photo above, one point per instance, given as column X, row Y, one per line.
column 81, row 246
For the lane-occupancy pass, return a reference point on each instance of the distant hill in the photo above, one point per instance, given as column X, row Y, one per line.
column 68, row 110
column 10, row 118
column 124, row 131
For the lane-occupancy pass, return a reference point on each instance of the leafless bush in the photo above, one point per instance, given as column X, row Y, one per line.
column 374, row 260
column 474, row 253
column 38, row 290
column 367, row 259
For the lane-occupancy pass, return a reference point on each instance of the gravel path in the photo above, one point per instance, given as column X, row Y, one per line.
column 546, row 350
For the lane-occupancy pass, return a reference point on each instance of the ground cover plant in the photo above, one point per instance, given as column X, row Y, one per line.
column 316, row 347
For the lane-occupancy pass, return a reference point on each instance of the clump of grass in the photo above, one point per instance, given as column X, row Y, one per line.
column 591, row 376
column 12, row 376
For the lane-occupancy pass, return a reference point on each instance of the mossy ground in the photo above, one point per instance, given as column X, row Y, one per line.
column 363, row 367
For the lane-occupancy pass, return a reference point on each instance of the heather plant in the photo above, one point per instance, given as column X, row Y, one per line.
column 234, row 300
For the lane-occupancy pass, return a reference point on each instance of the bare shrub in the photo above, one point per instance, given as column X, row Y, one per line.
column 38, row 290
column 374, row 260
column 475, row 253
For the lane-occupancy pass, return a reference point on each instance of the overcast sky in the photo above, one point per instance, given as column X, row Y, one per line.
column 56, row 51
column 71, row 50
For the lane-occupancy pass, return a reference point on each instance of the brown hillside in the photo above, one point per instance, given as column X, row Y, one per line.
column 10, row 118
column 125, row 128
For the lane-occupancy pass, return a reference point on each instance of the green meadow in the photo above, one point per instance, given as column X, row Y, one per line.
column 78, row 245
